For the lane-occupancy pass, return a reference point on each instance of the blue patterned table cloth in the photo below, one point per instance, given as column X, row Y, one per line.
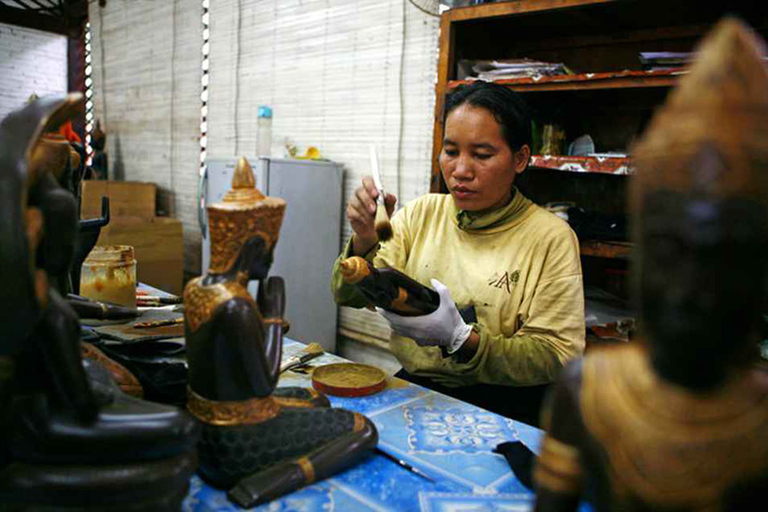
column 449, row 440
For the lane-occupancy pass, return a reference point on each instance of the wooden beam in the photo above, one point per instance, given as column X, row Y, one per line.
column 42, row 8
column 498, row 10
column 27, row 19
column 445, row 66
column 76, row 77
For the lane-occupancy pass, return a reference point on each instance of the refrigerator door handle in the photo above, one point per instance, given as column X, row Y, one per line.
column 202, row 199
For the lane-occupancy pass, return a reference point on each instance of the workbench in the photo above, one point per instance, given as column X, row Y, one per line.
column 450, row 441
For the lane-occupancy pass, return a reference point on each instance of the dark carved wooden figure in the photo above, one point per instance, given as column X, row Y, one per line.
column 679, row 421
column 69, row 439
column 264, row 441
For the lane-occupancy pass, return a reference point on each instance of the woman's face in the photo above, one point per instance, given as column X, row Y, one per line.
column 477, row 164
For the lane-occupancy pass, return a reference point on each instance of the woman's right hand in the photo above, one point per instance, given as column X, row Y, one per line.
column 361, row 212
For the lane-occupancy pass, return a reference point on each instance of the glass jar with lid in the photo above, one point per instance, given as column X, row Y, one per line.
column 109, row 274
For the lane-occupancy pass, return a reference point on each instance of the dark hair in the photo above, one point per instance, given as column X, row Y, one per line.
column 507, row 107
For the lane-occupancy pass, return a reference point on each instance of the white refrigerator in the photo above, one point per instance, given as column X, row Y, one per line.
column 310, row 238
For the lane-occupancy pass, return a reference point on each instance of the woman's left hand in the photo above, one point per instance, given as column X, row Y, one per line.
column 443, row 327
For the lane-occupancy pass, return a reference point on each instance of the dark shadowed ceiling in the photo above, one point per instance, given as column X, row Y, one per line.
column 60, row 16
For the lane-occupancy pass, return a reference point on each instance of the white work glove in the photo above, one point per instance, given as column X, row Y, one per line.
column 443, row 327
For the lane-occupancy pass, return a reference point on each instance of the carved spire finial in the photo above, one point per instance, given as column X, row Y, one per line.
column 243, row 177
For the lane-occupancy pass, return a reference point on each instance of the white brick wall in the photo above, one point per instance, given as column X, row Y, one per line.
column 31, row 61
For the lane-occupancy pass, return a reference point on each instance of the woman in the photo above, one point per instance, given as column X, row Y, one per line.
column 486, row 246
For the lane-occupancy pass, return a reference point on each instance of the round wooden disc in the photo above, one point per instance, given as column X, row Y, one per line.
column 348, row 379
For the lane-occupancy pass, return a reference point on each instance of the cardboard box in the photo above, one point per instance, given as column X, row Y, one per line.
column 126, row 199
column 158, row 247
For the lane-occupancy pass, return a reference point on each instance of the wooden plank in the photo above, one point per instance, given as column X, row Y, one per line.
column 620, row 250
column 158, row 245
column 619, row 83
column 126, row 199
column 497, row 10
column 445, row 67
column 588, row 81
column 619, row 166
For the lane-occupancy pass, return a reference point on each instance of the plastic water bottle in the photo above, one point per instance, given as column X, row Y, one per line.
column 264, row 134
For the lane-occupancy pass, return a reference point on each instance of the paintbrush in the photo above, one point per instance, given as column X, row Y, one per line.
column 381, row 222
column 311, row 351
column 402, row 463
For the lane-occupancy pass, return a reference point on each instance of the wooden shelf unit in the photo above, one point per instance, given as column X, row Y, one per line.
column 598, row 39
column 610, row 96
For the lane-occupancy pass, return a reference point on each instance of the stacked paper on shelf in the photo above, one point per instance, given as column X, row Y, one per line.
column 516, row 68
column 665, row 60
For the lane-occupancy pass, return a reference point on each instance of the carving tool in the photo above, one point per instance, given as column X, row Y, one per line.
column 404, row 464
column 87, row 308
column 309, row 352
column 154, row 300
column 158, row 323
column 381, row 223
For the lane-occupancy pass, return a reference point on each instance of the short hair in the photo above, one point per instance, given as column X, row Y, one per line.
column 507, row 107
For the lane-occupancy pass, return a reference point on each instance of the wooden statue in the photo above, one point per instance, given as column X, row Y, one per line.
column 389, row 288
column 70, row 440
column 264, row 441
column 679, row 421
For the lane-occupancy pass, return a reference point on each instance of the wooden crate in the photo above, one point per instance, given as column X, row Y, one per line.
column 158, row 245
column 126, row 199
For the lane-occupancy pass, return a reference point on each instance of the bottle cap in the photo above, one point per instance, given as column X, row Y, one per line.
column 265, row 111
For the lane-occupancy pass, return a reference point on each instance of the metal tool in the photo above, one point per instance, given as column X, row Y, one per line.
column 154, row 300
column 93, row 309
column 404, row 464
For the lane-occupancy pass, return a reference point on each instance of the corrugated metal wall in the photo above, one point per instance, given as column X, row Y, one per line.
column 338, row 74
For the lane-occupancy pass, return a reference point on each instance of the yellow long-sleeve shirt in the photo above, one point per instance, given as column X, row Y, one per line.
column 518, row 266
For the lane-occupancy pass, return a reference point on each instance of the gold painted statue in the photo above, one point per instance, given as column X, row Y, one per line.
column 259, row 441
column 679, row 420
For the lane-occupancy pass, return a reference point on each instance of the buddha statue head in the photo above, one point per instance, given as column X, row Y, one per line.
column 700, row 206
column 244, row 227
